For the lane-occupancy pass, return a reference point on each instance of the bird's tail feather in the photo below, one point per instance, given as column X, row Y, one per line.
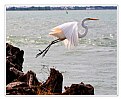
column 68, row 44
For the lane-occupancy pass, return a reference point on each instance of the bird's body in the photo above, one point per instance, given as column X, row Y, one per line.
column 57, row 32
column 67, row 32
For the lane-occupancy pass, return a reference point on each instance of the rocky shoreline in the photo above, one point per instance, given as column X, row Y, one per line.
column 20, row 83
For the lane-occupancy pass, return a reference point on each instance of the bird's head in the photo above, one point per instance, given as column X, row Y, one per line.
column 87, row 19
column 92, row 19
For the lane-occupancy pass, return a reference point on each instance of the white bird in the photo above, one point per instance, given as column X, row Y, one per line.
column 67, row 32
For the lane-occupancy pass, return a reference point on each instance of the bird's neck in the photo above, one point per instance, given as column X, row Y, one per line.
column 81, row 35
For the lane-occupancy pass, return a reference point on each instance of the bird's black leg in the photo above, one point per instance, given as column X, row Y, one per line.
column 53, row 42
column 47, row 48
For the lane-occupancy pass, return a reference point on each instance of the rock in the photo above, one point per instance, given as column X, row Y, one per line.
column 54, row 82
column 20, row 83
column 79, row 89
column 15, row 55
column 28, row 81
column 20, row 88
column 14, row 58
column 30, row 78
column 16, row 72
column 13, row 85
column 25, row 84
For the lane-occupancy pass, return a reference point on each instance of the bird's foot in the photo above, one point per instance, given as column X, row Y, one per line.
column 40, row 50
column 39, row 53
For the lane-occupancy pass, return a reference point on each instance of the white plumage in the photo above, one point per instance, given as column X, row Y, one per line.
column 67, row 32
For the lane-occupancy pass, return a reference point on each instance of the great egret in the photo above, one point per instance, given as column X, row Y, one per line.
column 67, row 32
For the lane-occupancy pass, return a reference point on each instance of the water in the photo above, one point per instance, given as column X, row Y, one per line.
column 93, row 61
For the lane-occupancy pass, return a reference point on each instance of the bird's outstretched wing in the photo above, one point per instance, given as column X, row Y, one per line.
column 70, row 30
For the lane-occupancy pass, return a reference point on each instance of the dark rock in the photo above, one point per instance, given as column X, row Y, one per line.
column 79, row 89
column 25, row 84
column 30, row 78
column 13, row 85
column 14, row 58
column 54, row 81
column 19, row 83
column 16, row 72
column 14, row 54
column 21, row 89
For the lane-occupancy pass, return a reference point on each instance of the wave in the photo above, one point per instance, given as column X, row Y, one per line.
column 105, row 42
column 27, row 40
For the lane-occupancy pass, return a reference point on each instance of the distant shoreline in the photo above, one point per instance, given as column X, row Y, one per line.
column 60, row 10
column 48, row 8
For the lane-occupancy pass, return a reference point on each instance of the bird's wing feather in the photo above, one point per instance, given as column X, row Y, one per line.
column 71, row 33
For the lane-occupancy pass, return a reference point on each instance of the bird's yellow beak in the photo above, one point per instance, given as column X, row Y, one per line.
column 93, row 19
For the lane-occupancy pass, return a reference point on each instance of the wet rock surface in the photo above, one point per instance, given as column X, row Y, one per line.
column 20, row 83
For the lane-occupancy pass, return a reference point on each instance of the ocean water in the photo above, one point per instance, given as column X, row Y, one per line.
column 93, row 61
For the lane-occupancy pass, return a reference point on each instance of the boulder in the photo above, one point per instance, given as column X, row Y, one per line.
column 79, row 89
column 20, row 83
column 14, row 58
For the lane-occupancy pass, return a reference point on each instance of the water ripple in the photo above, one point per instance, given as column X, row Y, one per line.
column 26, row 40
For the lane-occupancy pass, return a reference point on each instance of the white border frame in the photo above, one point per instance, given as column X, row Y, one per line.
column 48, row 2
